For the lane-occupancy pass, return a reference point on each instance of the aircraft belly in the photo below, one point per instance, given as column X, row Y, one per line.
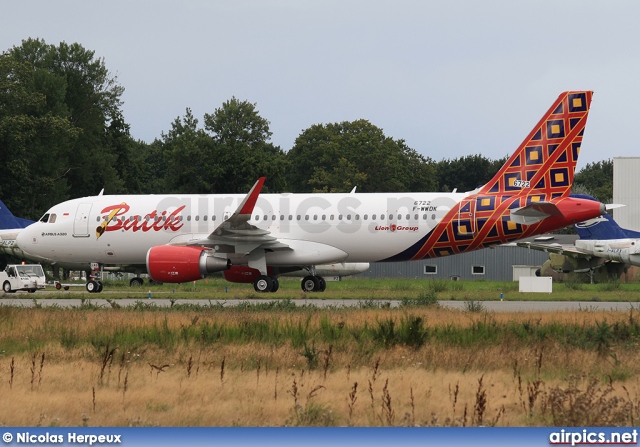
column 364, row 245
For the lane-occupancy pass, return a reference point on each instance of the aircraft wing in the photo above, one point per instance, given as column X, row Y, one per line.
column 237, row 234
column 561, row 249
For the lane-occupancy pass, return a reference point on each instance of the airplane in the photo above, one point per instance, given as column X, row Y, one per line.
column 9, row 222
column 10, row 226
column 600, row 240
column 182, row 238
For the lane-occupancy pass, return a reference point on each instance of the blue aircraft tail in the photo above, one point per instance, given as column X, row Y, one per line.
column 603, row 228
column 9, row 222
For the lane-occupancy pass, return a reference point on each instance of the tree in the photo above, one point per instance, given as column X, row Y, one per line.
column 597, row 178
column 242, row 150
column 35, row 142
column 466, row 173
column 336, row 157
column 188, row 152
column 78, row 89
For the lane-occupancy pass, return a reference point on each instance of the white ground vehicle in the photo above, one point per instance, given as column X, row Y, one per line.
column 28, row 277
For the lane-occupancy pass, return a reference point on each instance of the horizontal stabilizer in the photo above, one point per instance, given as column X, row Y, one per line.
column 534, row 212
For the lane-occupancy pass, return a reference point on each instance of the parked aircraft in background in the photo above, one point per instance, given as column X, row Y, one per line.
column 9, row 222
column 181, row 238
column 10, row 226
column 601, row 240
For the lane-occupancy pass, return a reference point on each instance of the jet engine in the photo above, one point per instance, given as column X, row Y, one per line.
column 178, row 263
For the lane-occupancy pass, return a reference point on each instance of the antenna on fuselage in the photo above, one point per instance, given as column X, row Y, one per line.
column 101, row 192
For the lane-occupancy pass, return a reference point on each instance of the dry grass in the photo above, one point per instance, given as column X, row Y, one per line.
column 274, row 397
column 261, row 384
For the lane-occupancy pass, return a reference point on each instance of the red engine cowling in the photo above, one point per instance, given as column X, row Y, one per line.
column 243, row 274
column 177, row 264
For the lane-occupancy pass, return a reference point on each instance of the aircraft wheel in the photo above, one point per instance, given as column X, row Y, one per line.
column 136, row 282
column 263, row 284
column 323, row 284
column 7, row 287
column 32, row 290
column 310, row 284
column 100, row 287
column 92, row 286
column 276, row 285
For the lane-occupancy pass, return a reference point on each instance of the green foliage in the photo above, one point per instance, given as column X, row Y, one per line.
column 597, row 180
column 311, row 354
column 314, row 415
column 425, row 298
column 241, row 149
column 473, row 306
column 466, row 173
column 336, row 157
column 411, row 332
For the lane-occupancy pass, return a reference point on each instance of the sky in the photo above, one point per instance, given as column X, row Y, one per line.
column 451, row 78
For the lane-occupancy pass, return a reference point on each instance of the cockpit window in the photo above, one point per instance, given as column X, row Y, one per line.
column 45, row 218
column 52, row 219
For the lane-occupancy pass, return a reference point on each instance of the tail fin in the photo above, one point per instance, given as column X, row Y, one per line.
column 544, row 164
column 10, row 222
column 603, row 227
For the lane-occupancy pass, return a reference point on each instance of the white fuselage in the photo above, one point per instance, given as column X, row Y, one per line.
column 366, row 227
column 626, row 251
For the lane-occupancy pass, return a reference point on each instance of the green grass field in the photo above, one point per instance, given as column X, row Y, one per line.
column 370, row 289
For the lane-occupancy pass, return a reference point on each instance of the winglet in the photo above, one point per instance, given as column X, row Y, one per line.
column 249, row 202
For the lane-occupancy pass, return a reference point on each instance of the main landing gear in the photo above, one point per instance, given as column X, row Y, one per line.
column 266, row 283
column 313, row 283
column 94, row 286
